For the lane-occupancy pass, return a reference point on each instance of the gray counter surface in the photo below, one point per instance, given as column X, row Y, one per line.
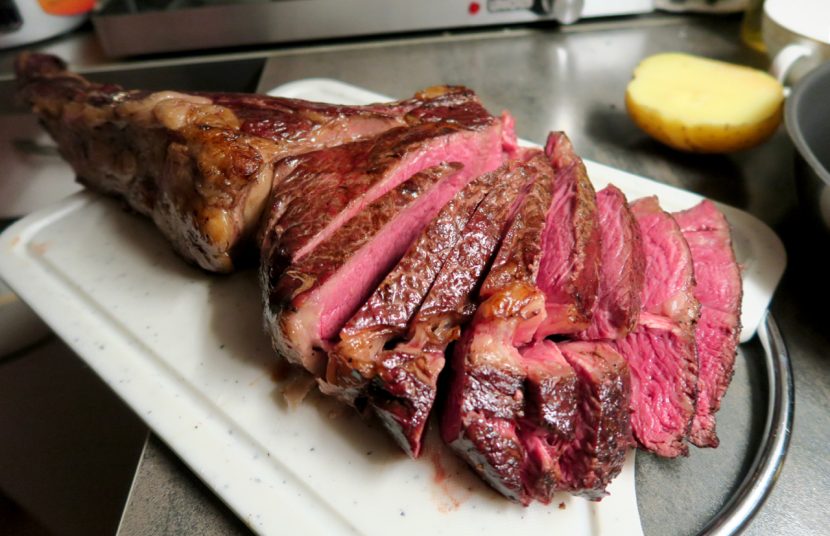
column 574, row 80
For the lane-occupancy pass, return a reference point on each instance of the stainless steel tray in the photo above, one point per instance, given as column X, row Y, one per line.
column 754, row 425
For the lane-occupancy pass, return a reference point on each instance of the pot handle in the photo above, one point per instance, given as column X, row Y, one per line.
column 786, row 58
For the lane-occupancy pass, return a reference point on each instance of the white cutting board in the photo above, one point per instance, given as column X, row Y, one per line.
column 186, row 351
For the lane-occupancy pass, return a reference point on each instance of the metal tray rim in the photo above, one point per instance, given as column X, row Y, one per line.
column 757, row 484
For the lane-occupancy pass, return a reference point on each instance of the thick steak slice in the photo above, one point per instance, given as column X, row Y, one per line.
column 718, row 288
column 486, row 385
column 553, row 396
column 569, row 271
column 661, row 350
column 199, row 164
column 307, row 304
column 317, row 192
column 403, row 392
column 386, row 314
column 621, row 270
column 596, row 452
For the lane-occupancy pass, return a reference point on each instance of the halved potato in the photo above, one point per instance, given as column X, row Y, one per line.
column 700, row 105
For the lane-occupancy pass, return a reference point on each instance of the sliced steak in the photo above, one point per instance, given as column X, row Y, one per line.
column 596, row 452
column 485, row 399
column 661, row 350
column 553, row 400
column 403, row 391
column 569, row 271
column 310, row 301
column 199, row 164
column 621, row 270
column 718, row 288
column 386, row 314
column 317, row 192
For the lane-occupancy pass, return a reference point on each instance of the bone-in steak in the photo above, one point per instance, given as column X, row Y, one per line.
column 201, row 164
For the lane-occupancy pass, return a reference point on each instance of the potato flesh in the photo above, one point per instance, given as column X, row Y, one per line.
column 687, row 101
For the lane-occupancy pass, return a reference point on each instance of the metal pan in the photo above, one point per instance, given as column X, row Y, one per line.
column 807, row 114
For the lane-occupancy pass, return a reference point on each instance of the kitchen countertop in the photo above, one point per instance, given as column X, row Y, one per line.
column 573, row 79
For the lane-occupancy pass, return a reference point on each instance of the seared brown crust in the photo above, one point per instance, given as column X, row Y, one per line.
column 387, row 312
column 288, row 293
column 199, row 164
column 450, row 301
column 596, row 454
column 520, row 251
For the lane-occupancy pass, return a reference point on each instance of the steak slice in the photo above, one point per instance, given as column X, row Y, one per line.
column 403, row 392
column 596, row 452
column 316, row 193
column 386, row 314
column 621, row 270
column 718, row 288
column 485, row 399
column 553, row 398
column 661, row 350
column 569, row 270
column 199, row 164
column 310, row 301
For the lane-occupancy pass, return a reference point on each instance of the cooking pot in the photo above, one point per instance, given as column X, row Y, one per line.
column 807, row 116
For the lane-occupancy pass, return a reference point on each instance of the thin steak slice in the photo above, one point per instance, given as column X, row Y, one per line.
column 311, row 300
column 621, row 270
column 485, row 398
column 570, row 266
column 661, row 350
column 199, row 164
column 403, row 391
column 596, row 451
column 386, row 314
column 718, row 288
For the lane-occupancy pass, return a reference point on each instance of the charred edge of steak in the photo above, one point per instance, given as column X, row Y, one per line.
column 552, row 399
column 597, row 451
column 353, row 362
column 480, row 421
column 402, row 394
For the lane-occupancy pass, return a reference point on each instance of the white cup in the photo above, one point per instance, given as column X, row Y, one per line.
column 797, row 36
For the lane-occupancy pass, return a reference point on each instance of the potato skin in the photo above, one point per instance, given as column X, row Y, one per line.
column 703, row 105
column 703, row 138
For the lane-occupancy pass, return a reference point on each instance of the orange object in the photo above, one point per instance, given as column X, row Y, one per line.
column 66, row 7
